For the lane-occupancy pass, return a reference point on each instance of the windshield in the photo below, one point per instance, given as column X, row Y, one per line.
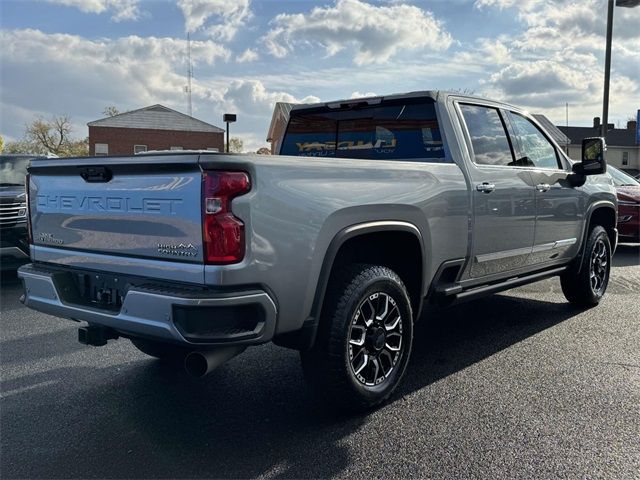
column 621, row 179
column 391, row 131
column 13, row 169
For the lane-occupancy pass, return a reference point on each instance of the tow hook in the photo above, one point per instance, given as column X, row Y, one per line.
column 96, row 336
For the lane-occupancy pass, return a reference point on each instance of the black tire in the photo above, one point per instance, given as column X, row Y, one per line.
column 161, row 350
column 357, row 293
column 584, row 283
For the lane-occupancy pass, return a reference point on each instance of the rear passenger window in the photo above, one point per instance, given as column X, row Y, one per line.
column 488, row 136
column 403, row 131
column 535, row 149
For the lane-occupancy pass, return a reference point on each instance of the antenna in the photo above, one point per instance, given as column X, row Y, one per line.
column 187, row 89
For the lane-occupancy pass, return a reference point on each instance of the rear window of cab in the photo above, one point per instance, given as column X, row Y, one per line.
column 402, row 131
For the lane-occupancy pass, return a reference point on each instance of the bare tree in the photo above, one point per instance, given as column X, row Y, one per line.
column 111, row 111
column 50, row 135
column 236, row 145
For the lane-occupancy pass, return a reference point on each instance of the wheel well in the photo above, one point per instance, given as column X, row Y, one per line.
column 397, row 250
column 605, row 217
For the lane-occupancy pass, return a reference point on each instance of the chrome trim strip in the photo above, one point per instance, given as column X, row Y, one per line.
column 543, row 247
column 488, row 257
column 565, row 243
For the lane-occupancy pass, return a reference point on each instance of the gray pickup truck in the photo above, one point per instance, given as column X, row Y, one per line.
column 374, row 207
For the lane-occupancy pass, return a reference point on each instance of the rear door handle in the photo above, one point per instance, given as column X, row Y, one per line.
column 543, row 187
column 485, row 187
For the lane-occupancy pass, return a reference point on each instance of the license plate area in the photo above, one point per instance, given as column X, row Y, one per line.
column 96, row 290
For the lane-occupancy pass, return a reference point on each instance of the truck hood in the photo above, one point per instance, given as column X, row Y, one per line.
column 13, row 192
column 629, row 193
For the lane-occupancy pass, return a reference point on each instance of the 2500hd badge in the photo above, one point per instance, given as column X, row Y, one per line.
column 180, row 250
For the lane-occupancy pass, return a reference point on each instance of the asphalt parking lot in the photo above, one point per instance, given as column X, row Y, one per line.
column 516, row 385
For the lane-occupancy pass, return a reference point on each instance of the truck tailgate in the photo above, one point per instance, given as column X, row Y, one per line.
column 143, row 207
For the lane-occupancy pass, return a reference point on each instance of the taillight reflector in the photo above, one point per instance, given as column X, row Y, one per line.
column 222, row 233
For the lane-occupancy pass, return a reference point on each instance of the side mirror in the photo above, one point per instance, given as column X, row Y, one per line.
column 593, row 161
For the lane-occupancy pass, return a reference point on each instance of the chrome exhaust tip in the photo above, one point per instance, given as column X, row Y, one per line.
column 202, row 363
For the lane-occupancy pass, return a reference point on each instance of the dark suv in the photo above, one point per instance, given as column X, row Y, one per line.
column 14, row 250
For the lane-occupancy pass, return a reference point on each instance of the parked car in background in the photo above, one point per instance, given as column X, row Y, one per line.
column 14, row 250
column 628, row 189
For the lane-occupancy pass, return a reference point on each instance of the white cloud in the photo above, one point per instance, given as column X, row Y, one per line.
column 376, row 32
column 51, row 74
column 62, row 73
column 121, row 9
column 357, row 94
column 248, row 55
column 486, row 52
column 251, row 97
column 559, row 57
column 221, row 19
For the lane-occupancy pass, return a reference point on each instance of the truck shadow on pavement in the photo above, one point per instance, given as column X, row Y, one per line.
column 252, row 417
column 627, row 255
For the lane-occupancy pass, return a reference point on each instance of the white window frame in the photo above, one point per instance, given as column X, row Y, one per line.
column 101, row 149
column 135, row 148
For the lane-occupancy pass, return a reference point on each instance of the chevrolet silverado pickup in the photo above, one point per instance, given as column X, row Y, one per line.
column 373, row 208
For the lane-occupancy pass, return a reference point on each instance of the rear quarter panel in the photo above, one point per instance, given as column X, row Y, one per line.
column 297, row 205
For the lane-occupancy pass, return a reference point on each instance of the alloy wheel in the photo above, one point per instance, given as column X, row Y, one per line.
column 375, row 339
column 599, row 267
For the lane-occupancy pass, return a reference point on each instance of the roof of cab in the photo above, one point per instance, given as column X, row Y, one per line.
column 373, row 100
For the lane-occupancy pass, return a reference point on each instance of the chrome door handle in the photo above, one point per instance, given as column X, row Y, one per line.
column 543, row 187
column 485, row 187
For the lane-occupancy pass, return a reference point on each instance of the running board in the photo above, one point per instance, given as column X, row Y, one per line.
column 454, row 293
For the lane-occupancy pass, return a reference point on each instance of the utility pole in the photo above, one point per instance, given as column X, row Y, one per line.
column 607, row 59
column 229, row 118
column 607, row 71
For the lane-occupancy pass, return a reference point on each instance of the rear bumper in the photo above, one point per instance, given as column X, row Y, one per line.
column 159, row 312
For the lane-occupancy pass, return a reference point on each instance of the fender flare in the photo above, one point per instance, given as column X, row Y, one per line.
column 587, row 225
column 305, row 337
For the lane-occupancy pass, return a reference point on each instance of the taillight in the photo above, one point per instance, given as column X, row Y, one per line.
column 29, row 229
column 222, row 233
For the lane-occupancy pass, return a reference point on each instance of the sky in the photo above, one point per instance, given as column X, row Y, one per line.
column 77, row 57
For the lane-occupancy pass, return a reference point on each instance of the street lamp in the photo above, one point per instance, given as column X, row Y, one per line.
column 230, row 118
column 607, row 59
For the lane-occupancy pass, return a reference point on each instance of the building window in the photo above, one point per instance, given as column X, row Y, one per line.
column 625, row 158
column 101, row 149
column 176, row 148
column 139, row 148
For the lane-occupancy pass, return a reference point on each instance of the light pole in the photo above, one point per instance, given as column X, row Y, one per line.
column 228, row 118
column 607, row 59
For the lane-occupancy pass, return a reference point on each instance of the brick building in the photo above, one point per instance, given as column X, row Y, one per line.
column 152, row 128
column 279, row 120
